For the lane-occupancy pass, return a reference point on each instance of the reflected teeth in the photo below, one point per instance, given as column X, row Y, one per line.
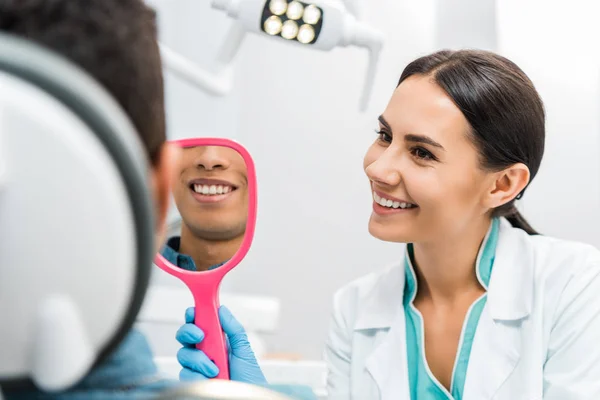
column 390, row 203
column 211, row 190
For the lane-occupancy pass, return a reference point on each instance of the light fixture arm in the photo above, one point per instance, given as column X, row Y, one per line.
column 335, row 28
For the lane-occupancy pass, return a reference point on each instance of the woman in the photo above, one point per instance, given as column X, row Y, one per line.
column 481, row 307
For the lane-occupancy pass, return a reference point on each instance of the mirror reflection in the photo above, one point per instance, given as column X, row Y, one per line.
column 210, row 190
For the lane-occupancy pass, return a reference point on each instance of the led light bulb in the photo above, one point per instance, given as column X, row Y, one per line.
column 289, row 30
column 278, row 7
column 273, row 25
column 312, row 14
column 306, row 34
column 295, row 10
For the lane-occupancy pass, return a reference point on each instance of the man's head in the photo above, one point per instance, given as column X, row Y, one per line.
column 114, row 41
column 210, row 188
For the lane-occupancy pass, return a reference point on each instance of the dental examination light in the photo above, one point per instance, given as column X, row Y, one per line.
column 317, row 26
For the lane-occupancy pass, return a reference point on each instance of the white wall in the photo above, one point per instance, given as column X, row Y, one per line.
column 559, row 48
column 297, row 112
column 466, row 23
column 193, row 29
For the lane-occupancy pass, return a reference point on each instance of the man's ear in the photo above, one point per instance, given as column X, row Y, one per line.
column 161, row 176
column 506, row 185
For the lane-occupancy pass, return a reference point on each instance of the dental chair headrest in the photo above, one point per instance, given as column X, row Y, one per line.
column 76, row 220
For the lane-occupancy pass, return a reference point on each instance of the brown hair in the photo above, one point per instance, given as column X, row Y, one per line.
column 503, row 108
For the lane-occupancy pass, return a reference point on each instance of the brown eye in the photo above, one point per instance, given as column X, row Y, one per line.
column 384, row 137
column 422, row 154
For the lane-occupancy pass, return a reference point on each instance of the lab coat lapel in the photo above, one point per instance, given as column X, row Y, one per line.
column 387, row 363
column 497, row 344
column 494, row 355
column 382, row 309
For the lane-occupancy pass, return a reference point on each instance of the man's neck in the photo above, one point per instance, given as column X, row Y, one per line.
column 207, row 253
column 446, row 269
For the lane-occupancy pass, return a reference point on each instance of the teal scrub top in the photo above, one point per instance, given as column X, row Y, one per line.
column 423, row 385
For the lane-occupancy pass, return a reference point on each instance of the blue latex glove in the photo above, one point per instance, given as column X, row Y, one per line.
column 243, row 366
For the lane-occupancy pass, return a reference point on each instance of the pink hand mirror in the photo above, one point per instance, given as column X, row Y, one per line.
column 214, row 189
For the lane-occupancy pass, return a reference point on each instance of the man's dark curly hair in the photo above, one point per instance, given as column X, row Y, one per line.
column 114, row 41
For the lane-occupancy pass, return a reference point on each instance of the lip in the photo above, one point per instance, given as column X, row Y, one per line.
column 207, row 181
column 213, row 198
column 388, row 197
column 381, row 210
column 209, row 199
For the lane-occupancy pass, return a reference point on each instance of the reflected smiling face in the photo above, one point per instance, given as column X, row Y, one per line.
column 211, row 192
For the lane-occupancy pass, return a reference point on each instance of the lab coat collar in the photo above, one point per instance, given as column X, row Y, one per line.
column 509, row 293
column 379, row 306
column 387, row 363
column 382, row 308
column 498, row 340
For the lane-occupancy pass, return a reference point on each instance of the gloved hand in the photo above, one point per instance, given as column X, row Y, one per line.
column 243, row 366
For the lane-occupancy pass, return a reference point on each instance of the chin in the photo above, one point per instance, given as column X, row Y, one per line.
column 389, row 233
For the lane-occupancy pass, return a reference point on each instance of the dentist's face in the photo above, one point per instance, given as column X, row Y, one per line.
column 211, row 192
column 423, row 168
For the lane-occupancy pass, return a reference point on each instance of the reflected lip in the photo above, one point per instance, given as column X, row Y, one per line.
column 210, row 198
column 210, row 182
column 388, row 197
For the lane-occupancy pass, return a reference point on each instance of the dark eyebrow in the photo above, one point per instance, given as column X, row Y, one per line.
column 384, row 122
column 422, row 139
column 412, row 137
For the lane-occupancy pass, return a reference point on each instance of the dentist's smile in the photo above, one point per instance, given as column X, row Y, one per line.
column 384, row 204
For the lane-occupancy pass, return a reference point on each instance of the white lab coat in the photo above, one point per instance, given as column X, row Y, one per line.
column 538, row 336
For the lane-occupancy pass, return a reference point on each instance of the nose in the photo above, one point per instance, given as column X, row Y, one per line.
column 211, row 158
column 385, row 169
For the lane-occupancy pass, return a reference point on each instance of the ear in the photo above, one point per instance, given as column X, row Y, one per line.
column 507, row 185
column 161, row 177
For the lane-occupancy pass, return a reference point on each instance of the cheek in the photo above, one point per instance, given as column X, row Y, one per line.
column 453, row 190
column 242, row 203
column 423, row 185
column 177, row 176
column 177, row 188
column 437, row 182
column 240, row 169
column 185, row 160
column 181, row 201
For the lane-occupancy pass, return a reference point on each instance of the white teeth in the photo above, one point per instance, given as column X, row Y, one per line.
column 390, row 203
column 211, row 190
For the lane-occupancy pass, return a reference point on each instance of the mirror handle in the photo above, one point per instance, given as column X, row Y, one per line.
column 214, row 344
